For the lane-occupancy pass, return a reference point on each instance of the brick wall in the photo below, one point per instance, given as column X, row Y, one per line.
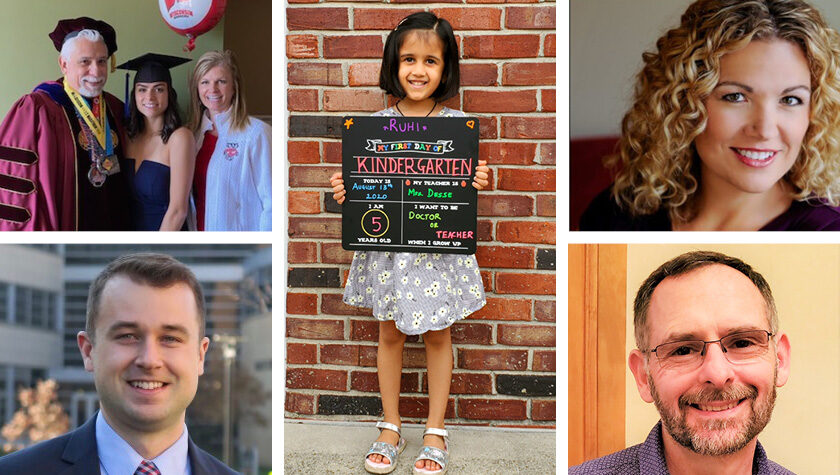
column 505, row 353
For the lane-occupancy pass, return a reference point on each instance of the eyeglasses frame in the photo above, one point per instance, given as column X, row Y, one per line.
column 707, row 343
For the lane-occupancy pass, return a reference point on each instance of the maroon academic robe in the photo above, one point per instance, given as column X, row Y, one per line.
column 42, row 168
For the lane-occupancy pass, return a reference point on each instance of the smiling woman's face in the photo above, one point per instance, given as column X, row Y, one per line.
column 757, row 117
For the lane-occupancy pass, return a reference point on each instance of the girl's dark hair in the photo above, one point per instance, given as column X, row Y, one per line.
column 450, row 80
column 171, row 117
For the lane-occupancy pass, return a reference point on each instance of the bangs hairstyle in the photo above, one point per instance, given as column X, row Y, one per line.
column 657, row 164
column 684, row 264
column 209, row 60
column 156, row 270
column 171, row 116
column 450, row 80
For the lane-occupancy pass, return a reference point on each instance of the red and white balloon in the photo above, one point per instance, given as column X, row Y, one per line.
column 191, row 17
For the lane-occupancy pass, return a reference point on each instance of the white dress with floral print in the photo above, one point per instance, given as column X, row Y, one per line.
column 419, row 292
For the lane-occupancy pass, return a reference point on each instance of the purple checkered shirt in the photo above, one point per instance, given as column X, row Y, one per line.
column 648, row 458
column 147, row 468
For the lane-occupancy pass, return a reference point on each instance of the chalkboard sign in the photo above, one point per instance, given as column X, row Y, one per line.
column 409, row 184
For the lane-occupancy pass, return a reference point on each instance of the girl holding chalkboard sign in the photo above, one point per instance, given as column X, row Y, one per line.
column 409, row 293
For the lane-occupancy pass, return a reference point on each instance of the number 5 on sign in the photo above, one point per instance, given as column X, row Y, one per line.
column 375, row 223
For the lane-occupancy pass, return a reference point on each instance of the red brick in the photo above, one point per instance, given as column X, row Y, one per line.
column 511, row 360
column 364, row 330
column 500, row 101
column 302, row 252
column 529, row 74
column 550, row 46
column 505, row 256
column 508, row 153
column 317, row 19
column 502, row 1
column 534, row 232
column 547, row 205
column 315, row 227
column 303, row 152
column 472, row 333
column 353, row 100
column 303, row 1
column 300, row 403
column 340, row 354
column 303, row 100
column 301, row 353
column 484, row 230
column 301, row 304
column 524, row 18
column 332, row 304
column 526, row 335
column 545, row 361
column 543, row 410
column 367, row 356
column 501, row 46
column 319, row 176
column 492, row 409
column 521, row 179
column 528, row 127
column 368, row 381
column 304, row 202
column 414, row 357
column 548, row 99
column 505, row 205
column 419, row 407
column 364, row 74
column 548, row 153
column 487, row 127
column 478, row 75
column 536, row 284
column 333, row 253
column 545, row 310
column 487, row 280
column 325, row 74
column 471, row 18
column 366, row 46
column 379, row 18
column 504, row 309
column 311, row 378
column 315, row 329
column 466, row 383
column 332, row 152
column 301, row 46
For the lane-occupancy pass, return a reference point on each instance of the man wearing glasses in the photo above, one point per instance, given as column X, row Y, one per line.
column 710, row 356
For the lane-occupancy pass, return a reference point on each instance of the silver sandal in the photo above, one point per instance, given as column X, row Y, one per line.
column 386, row 450
column 441, row 457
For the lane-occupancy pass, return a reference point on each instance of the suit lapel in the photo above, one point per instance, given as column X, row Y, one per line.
column 81, row 450
column 198, row 462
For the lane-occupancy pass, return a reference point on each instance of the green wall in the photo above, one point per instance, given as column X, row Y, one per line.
column 28, row 57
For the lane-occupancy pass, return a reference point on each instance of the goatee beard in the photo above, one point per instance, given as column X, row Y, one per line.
column 727, row 435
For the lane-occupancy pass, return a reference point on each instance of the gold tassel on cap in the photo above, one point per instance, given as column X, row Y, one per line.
column 113, row 62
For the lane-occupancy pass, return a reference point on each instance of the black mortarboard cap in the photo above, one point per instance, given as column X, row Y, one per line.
column 150, row 67
column 153, row 67
column 68, row 27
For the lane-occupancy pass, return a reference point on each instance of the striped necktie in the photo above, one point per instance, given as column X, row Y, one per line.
column 147, row 468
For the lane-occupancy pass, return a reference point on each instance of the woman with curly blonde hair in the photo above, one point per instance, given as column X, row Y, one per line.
column 735, row 125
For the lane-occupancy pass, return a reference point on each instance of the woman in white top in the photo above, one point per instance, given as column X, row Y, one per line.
column 232, row 183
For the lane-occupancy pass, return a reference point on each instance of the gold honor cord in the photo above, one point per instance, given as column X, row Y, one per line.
column 95, row 126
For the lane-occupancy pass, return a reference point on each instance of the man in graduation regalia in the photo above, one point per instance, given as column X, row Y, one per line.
column 61, row 144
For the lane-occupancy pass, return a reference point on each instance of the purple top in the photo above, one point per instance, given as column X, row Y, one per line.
column 648, row 458
column 603, row 214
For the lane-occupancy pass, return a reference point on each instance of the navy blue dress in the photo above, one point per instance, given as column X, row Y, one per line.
column 150, row 192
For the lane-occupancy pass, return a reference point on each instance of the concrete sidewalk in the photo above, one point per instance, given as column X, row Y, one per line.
column 339, row 448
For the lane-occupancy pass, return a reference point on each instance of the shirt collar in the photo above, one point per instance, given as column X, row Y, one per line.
column 222, row 122
column 652, row 456
column 116, row 457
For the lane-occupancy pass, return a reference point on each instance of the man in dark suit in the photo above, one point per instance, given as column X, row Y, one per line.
column 144, row 343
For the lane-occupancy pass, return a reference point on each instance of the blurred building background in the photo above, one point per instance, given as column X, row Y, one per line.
column 43, row 293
